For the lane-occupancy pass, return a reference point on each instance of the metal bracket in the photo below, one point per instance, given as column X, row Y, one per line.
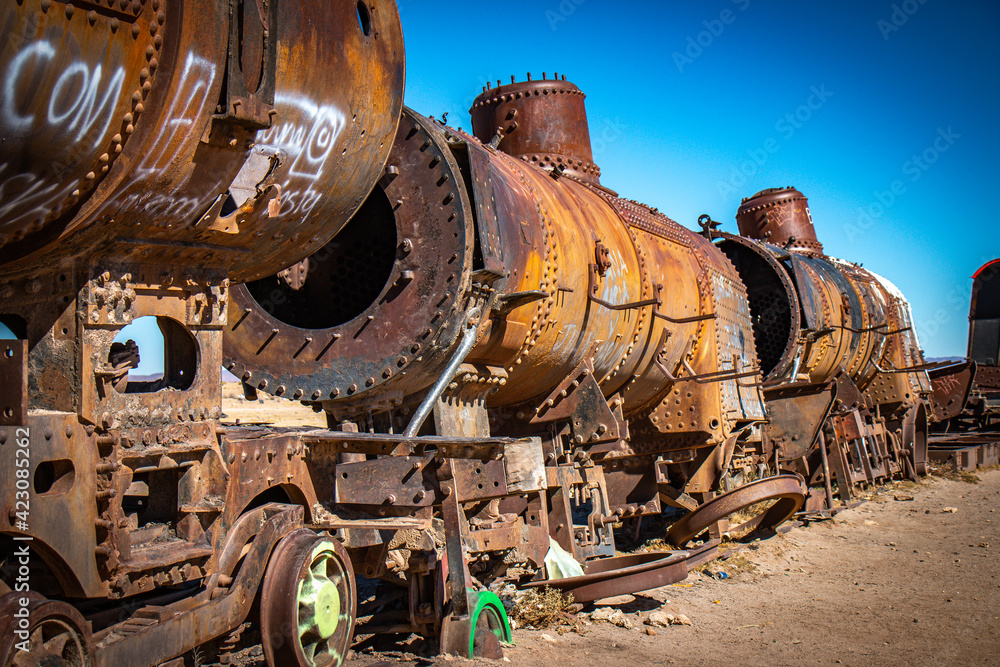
column 14, row 388
column 249, row 95
column 595, row 271
column 910, row 369
column 579, row 400
column 705, row 378
column 592, row 293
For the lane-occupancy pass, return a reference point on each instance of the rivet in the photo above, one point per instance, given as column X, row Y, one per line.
column 114, row 25
column 92, row 17
column 69, row 11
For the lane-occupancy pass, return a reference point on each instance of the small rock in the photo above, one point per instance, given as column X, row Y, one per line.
column 601, row 614
column 549, row 638
column 869, row 522
column 651, row 632
column 660, row 619
column 681, row 619
column 902, row 497
column 949, row 510
column 618, row 618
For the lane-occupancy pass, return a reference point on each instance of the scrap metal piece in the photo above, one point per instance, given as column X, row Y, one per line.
column 785, row 490
column 14, row 388
column 624, row 575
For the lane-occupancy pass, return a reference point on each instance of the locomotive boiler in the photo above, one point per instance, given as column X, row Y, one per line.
column 844, row 377
column 495, row 285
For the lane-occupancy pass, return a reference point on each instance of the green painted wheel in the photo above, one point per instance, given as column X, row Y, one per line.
column 308, row 602
column 488, row 619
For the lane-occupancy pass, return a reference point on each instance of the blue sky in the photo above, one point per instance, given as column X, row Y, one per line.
column 683, row 99
column 695, row 105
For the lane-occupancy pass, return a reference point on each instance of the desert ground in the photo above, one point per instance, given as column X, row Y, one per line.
column 910, row 577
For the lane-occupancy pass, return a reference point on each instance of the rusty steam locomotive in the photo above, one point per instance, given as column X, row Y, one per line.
column 513, row 360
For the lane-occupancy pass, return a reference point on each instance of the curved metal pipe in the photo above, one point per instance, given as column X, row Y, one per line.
column 468, row 342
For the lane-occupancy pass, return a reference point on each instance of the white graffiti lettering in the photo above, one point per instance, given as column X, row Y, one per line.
column 190, row 99
column 78, row 102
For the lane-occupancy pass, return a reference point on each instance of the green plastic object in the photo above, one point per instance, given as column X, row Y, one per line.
column 487, row 602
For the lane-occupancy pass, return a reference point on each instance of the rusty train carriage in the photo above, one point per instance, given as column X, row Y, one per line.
column 967, row 394
column 844, row 377
column 154, row 151
column 656, row 345
column 509, row 354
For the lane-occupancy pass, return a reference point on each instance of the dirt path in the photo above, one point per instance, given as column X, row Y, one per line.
column 892, row 582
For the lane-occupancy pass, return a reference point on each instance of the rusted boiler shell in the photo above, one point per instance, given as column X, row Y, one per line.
column 191, row 133
column 892, row 389
column 814, row 315
column 572, row 274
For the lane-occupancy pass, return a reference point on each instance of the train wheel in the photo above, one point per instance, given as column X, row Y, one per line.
column 479, row 635
column 54, row 634
column 915, row 438
column 308, row 602
column 772, row 500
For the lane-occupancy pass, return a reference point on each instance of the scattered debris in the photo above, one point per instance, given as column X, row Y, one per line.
column 661, row 619
column 540, row 609
column 613, row 616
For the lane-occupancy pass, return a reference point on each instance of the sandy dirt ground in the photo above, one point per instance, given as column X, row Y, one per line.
column 910, row 577
column 892, row 582
column 266, row 409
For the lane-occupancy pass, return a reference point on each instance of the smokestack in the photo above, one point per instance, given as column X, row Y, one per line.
column 542, row 122
column 780, row 216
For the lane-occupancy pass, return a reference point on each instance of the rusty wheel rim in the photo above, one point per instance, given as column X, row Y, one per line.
column 308, row 603
column 785, row 490
column 57, row 635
